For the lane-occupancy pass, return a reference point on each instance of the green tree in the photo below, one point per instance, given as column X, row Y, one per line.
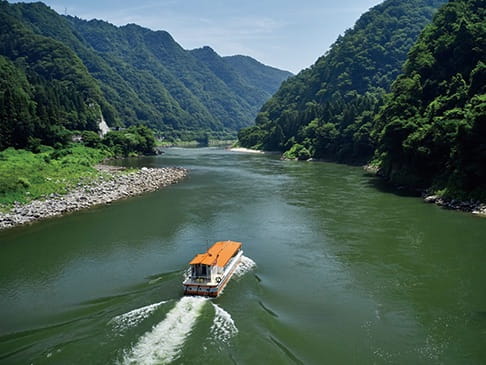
column 344, row 87
column 431, row 131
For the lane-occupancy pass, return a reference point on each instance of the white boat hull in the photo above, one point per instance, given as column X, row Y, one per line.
column 211, row 288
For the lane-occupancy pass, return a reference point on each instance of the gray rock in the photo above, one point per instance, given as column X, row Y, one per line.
column 101, row 191
column 431, row 199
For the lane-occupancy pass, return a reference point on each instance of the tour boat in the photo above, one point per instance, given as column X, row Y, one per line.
column 209, row 272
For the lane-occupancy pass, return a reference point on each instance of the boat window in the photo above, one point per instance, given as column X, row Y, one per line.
column 199, row 270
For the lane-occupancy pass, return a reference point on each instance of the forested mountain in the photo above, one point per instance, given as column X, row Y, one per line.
column 327, row 111
column 132, row 74
column 432, row 130
column 252, row 80
column 45, row 89
column 264, row 78
column 429, row 132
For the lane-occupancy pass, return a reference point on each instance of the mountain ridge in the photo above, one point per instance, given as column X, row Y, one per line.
column 144, row 76
column 419, row 122
column 326, row 108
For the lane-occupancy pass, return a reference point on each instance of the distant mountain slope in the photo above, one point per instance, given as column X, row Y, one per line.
column 163, row 76
column 256, row 74
column 432, row 131
column 45, row 90
column 234, row 78
column 327, row 108
column 143, row 76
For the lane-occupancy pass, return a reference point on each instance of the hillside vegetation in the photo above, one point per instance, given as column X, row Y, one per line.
column 432, row 130
column 25, row 175
column 428, row 132
column 326, row 111
column 45, row 89
column 66, row 72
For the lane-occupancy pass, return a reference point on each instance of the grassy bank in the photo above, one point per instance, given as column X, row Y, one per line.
column 25, row 176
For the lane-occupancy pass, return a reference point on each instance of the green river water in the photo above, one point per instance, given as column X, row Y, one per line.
column 337, row 270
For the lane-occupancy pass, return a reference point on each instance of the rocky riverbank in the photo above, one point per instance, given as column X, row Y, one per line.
column 465, row 206
column 469, row 206
column 114, row 185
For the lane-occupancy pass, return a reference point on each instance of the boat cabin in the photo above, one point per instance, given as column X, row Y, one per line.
column 209, row 266
column 209, row 272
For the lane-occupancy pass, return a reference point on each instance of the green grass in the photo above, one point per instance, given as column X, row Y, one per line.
column 25, row 176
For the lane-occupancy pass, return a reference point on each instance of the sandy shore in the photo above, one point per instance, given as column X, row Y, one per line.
column 113, row 186
column 247, row 150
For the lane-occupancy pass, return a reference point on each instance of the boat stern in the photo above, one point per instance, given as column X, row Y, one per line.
column 208, row 273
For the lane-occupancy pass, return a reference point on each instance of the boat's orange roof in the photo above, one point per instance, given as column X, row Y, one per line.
column 218, row 254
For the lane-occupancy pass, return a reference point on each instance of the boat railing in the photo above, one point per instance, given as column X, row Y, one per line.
column 195, row 278
column 201, row 279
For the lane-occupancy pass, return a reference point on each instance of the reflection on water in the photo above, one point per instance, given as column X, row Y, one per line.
column 344, row 272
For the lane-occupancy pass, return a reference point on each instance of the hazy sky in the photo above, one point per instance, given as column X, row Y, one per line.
column 282, row 33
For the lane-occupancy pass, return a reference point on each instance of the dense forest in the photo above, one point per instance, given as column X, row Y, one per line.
column 59, row 74
column 399, row 91
column 421, row 120
column 45, row 90
column 432, row 130
column 326, row 111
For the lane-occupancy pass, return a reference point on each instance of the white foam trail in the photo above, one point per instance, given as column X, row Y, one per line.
column 134, row 317
column 223, row 328
column 163, row 344
column 246, row 264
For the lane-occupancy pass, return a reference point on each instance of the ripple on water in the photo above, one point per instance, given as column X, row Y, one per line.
column 130, row 319
column 246, row 265
column 223, row 327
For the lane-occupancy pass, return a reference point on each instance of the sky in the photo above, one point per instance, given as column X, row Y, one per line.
column 286, row 34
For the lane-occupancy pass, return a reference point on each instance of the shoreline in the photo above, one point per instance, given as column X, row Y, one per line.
column 467, row 206
column 249, row 150
column 111, row 187
column 472, row 207
column 242, row 149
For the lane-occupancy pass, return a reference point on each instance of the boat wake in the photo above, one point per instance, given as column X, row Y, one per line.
column 246, row 265
column 164, row 342
column 134, row 317
column 223, row 328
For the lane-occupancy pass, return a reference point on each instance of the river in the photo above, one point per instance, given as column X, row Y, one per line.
column 337, row 270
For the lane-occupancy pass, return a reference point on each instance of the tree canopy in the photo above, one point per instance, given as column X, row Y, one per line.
column 329, row 107
column 432, row 130
column 45, row 89
column 61, row 73
column 421, row 120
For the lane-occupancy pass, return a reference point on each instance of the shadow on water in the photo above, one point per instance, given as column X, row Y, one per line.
column 383, row 186
column 268, row 310
column 286, row 351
